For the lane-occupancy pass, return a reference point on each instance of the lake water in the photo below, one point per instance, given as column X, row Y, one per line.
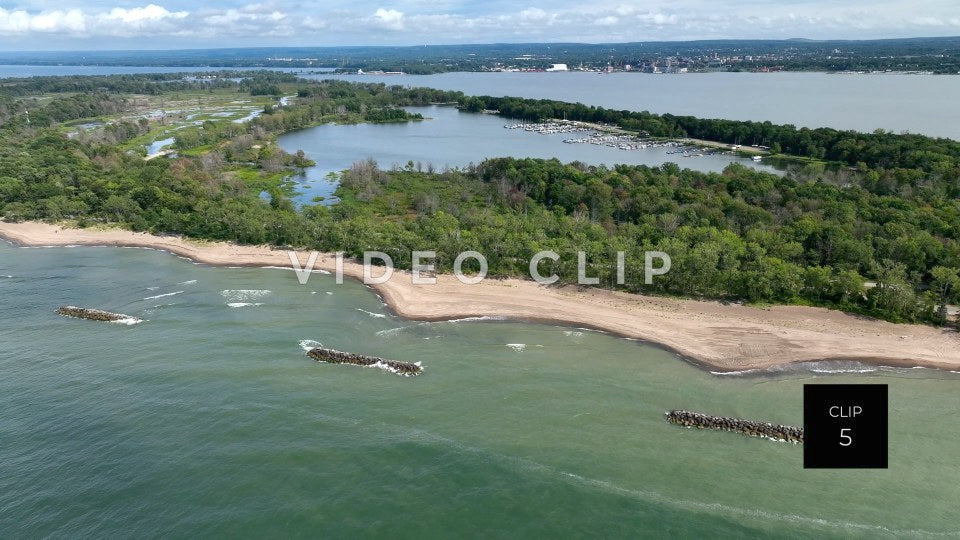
column 209, row 420
column 917, row 103
column 924, row 104
column 450, row 138
column 157, row 146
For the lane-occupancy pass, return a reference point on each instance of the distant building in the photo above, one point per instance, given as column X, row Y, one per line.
column 558, row 67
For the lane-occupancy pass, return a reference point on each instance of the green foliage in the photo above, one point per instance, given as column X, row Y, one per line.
column 740, row 235
column 815, row 236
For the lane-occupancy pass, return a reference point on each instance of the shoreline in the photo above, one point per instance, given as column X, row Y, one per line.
column 723, row 338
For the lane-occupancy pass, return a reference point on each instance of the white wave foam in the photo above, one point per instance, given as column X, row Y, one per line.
column 307, row 344
column 152, row 288
column 159, row 306
column 330, row 293
column 519, row 347
column 572, row 333
column 8, row 276
column 387, row 368
column 243, row 304
column 840, row 370
column 825, row 367
column 372, row 314
column 163, row 295
column 129, row 321
column 734, row 373
column 480, row 318
column 243, row 295
column 392, row 331
column 191, row 282
column 314, row 271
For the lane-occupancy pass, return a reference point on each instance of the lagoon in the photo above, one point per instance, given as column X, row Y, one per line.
column 450, row 138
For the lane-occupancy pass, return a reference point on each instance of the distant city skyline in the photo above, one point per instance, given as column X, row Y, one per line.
column 178, row 24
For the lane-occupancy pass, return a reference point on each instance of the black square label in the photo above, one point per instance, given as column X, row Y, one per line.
column 845, row 426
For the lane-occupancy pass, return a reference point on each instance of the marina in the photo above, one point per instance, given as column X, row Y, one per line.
column 612, row 137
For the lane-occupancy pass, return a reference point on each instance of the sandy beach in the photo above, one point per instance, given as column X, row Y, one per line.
column 721, row 337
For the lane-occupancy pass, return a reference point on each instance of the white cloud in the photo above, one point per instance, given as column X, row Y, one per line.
column 141, row 15
column 150, row 19
column 609, row 20
column 173, row 23
column 21, row 22
column 390, row 19
column 533, row 14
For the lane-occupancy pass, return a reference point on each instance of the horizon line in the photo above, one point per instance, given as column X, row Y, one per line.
column 495, row 43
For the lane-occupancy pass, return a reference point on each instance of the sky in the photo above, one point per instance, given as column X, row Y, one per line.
column 178, row 24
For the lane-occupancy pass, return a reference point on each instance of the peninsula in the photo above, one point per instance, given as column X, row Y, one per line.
column 722, row 337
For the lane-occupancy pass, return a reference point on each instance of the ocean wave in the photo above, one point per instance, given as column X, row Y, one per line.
column 865, row 370
column 243, row 304
column 160, row 306
column 735, row 373
column 397, row 330
column 519, row 347
column 191, row 282
column 128, row 321
column 314, row 271
column 307, row 344
column 243, row 295
column 163, row 295
column 825, row 367
column 572, row 333
column 152, row 288
column 480, row 318
column 394, row 331
column 387, row 368
column 372, row 314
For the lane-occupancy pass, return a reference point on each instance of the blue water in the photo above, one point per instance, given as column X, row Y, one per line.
column 209, row 420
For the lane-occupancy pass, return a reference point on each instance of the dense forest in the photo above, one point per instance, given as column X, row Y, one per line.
column 876, row 240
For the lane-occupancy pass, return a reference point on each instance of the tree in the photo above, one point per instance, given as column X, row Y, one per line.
column 946, row 287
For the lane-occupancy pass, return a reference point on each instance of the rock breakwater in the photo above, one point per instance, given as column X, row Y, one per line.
column 750, row 428
column 333, row 356
column 96, row 315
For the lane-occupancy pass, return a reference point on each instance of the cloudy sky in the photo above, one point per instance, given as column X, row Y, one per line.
column 120, row 24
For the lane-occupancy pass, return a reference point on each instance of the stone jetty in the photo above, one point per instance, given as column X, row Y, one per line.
column 745, row 427
column 333, row 356
column 94, row 314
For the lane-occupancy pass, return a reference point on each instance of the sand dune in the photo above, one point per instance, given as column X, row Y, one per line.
column 723, row 337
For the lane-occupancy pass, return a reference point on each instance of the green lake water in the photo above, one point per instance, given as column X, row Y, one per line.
column 207, row 419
